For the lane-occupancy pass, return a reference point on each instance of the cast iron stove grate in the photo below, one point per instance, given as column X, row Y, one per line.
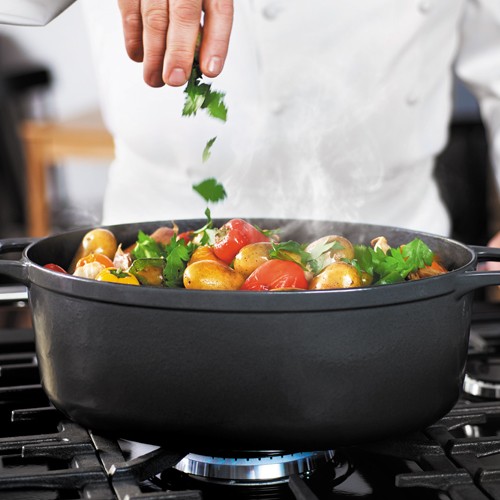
column 43, row 456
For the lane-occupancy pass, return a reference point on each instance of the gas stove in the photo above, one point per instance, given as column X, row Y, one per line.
column 43, row 455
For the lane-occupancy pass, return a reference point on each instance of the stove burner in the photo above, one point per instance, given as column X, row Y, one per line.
column 262, row 467
column 482, row 377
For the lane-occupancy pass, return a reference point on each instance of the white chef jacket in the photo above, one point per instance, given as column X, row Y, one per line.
column 337, row 110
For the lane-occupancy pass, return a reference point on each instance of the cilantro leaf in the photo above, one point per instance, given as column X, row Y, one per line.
column 206, row 152
column 210, row 190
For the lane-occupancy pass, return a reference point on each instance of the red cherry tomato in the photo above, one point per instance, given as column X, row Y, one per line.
column 55, row 267
column 187, row 236
column 276, row 274
column 233, row 236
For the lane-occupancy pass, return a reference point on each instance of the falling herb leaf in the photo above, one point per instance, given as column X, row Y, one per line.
column 210, row 190
column 199, row 95
column 206, row 152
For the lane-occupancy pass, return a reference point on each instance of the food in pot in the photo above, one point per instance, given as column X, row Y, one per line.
column 97, row 241
column 336, row 275
column 240, row 256
column 276, row 274
column 212, row 275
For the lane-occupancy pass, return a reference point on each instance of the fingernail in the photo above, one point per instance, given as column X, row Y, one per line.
column 215, row 65
column 177, row 77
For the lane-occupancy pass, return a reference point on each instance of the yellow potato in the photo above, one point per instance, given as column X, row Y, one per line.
column 212, row 275
column 203, row 253
column 336, row 275
column 250, row 257
column 95, row 241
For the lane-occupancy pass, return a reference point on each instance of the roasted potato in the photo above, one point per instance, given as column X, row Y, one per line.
column 212, row 275
column 250, row 257
column 336, row 275
column 203, row 253
column 96, row 241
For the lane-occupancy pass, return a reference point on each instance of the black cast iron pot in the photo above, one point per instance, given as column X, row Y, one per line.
column 200, row 370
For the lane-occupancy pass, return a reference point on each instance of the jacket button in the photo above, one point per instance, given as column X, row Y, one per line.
column 425, row 6
column 277, row 107
column 412, row 98
column 272, row 10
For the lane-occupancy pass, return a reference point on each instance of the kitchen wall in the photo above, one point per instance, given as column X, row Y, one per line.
column 63, row 47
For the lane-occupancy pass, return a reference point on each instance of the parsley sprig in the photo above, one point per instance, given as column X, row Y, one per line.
column 395, row 265
column 173, row 257
column 178, row 253
column 199, row 95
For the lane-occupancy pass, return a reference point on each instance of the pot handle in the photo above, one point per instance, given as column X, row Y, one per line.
column 486, row 253
column 16, row 269
column 472, row 280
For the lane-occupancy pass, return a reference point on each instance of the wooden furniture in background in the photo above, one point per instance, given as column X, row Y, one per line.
column 47, row 144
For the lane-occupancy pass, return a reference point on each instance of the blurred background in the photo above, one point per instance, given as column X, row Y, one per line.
column 54, row 150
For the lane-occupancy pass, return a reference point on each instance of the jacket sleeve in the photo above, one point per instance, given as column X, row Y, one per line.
column 478, row 66
column 31, row 12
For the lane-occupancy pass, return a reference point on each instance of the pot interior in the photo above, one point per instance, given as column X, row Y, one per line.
column 60, row 248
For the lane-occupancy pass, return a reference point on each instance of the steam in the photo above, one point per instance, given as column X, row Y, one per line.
column 304, row 162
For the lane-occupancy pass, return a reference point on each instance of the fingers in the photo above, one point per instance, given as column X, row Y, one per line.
column 155, row 21
column 216, row 33
column 145, row 26
column 184, row 25
column 163, row 33
column 132, row 28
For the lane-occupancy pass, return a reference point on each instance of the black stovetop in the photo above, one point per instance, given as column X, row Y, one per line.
column 45, row 456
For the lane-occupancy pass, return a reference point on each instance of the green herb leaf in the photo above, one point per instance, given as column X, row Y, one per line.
column 215, row 105
column 141, row 264
column 418, row 254
column 363, row 259
column 282, row 251
column 119, row 273
column 178, row 254
column 210, row 190
column 395, row 265
column 323, row 248
column 147, row 248
column 206, row 152
column 199, row 95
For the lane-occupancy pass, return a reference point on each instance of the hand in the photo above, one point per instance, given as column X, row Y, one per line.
column 163, row 34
